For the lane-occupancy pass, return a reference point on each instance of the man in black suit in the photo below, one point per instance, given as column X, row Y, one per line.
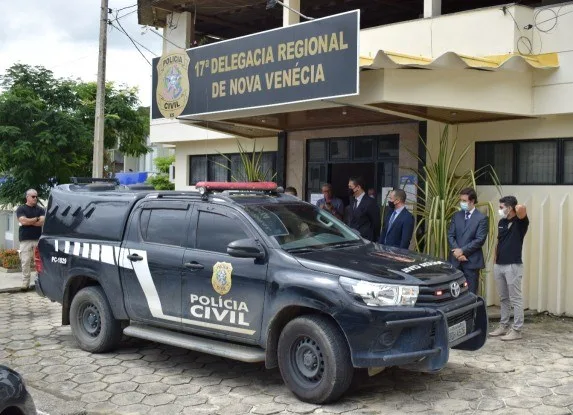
column 364, row 211
column 399, row 224
column 466, row 236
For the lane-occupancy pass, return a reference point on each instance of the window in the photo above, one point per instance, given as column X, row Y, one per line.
column 215, row 232
column 363, row 148
column 339, row 149
column 526, row 162
column 537, row 162
column 316, row 150
column 568, row 162
column 164, row 226
column 218, row 169
column 316, row 176
column 388, row 146
column 498, row 156
column 198, row 171
column 226, row 168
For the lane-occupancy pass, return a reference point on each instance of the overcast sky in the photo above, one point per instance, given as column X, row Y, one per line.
column 62, row 35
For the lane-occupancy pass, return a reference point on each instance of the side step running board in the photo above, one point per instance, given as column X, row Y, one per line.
column 200, row 344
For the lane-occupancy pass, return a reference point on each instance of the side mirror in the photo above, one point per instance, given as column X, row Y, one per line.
column 245, row 248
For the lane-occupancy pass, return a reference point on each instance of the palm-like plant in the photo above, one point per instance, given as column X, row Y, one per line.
column 252, row 165
column 438, row 198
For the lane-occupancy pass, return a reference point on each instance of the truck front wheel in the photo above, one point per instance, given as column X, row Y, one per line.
column 93, row 325
column 314, row 359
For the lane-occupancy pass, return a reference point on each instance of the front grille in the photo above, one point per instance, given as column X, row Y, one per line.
column 467, row 316
column 429, row 293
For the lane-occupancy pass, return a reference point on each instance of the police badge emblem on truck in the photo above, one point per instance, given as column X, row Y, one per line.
column 221, row 278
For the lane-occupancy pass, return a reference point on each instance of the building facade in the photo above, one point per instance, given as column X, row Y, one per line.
column 501, row 75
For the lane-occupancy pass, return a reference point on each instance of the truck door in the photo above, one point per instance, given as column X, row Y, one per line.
column 221, row 295
column 151, row 261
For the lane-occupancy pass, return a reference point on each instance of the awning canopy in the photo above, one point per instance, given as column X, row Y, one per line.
column 452, row 60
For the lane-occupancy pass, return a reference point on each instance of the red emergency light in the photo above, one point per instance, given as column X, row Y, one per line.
column 204, row 187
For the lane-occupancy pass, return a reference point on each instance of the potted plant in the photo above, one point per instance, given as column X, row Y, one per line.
column 252, row 166
column 438, row 199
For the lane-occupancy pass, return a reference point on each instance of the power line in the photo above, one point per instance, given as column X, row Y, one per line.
column 128, row 7
column 123, row 15
column 132, row 41
column 163, row 37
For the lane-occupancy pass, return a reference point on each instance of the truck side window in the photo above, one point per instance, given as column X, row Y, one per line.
column 215, row 232
column 164, row 226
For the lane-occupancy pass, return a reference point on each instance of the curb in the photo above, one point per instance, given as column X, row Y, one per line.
column 13, row 290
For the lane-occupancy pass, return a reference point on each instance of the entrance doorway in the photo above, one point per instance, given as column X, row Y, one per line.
column 334, row 161
column 341, row 172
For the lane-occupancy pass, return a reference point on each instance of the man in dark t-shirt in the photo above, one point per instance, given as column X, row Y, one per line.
column 508, row 268
column 31, row 219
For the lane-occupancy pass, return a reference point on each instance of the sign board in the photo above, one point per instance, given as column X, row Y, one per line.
column 314, row 60
column 315, row 197
column 385, row 193
column 408, row 184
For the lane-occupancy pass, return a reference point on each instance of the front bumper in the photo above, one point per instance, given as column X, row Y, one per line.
column 417, row 338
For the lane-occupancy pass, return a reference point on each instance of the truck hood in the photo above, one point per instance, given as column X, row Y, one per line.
column 379, row 263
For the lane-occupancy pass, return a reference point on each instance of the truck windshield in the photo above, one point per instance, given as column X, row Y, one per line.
column 301, row 226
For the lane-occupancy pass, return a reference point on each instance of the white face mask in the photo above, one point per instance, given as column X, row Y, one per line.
column 502, row 213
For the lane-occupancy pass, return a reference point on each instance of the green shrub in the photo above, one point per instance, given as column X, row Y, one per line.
column 160, row 182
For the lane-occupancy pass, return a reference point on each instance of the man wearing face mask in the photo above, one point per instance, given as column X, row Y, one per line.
column 508, row 267
column 399, row 224
column 363, row 212
column 466, row 236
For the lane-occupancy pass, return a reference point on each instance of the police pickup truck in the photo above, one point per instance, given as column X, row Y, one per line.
column 243, row 271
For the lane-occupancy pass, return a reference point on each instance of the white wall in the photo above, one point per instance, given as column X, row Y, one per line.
column 479, row 32
column 185, row 149
column 175, row 131
column 553, row 90
column 548, row 274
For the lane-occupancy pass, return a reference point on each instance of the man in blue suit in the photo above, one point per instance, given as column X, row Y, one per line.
column 399, row 224
column 466, row 236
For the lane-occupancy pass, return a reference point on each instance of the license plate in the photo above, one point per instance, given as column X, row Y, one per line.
column 456, row 331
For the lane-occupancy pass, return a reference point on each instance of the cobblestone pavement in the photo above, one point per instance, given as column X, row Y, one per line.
column 533, row 376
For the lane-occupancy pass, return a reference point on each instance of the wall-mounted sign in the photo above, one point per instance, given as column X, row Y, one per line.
column 303, row 62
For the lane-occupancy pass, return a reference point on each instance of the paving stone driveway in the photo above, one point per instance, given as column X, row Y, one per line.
column 534, row 376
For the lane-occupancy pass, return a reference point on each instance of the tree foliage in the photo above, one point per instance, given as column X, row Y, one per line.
column 46, row 128
column 163, row 163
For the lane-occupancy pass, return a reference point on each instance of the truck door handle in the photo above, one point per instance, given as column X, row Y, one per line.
column 134, row 257
column 193, row 265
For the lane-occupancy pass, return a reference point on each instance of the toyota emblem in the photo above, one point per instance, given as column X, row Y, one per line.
column 455, row 289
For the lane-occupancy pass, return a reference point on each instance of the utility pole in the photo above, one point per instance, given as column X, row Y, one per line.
column 97, row 169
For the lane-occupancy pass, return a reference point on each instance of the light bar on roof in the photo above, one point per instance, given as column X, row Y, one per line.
column 222, row 186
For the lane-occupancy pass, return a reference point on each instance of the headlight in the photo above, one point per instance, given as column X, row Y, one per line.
column 381, row 294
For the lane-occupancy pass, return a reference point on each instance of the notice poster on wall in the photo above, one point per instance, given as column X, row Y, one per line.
column 384, row 194
column 408, row 184
column 315, row 197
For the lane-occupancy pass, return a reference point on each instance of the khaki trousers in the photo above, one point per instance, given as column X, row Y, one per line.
column 27, row 260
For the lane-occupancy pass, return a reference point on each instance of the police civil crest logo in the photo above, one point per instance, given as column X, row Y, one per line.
column 172, row 91
column 221, row 279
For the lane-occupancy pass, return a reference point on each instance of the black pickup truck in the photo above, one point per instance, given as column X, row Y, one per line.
column 248, row 273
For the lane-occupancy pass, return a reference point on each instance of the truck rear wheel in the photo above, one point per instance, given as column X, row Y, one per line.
column 314, row 359
column 93, row 325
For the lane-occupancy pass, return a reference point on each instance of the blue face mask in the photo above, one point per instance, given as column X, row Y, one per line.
column 464, row 206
